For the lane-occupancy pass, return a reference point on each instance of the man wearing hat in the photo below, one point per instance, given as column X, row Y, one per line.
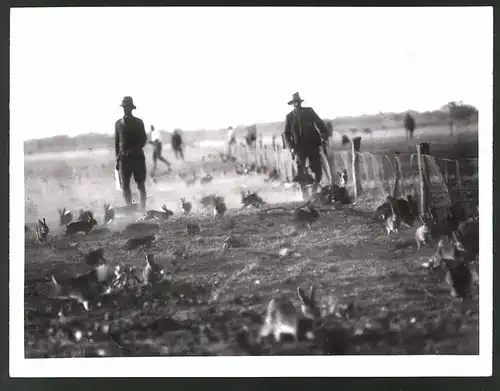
column 305, row 132
column 130, row 139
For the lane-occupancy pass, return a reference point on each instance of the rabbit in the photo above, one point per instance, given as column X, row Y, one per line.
column 459, row 277
column 466, row 236
column 138, row 242
column 83, row 287
column 251, row 199
column 190, row 181
column 392, row 222
column 220, row 207
column 231, row 242
column 152, row 272
column 139, row 227
column 208, row 201
column 109, row 214
column 186, row 206
column 65, row 216
column 42, row 230
column 84, row 214
column 405, row 211
column 343, row 178
column 282, row 317
column 159, row 215
column 382, row 212
column 84, row 226
column 207, row 178
column 306, row 214
column 192, row 229
column 422, row 234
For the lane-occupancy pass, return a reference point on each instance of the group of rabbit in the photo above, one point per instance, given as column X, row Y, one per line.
column 458, row 238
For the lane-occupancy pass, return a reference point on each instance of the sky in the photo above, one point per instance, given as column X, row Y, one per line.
column 211, row 68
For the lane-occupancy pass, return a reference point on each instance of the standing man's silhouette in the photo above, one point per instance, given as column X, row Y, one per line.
column 130, row 139
column 178, row 144
column 409, row 124
column 305, row 132
column 157, row 144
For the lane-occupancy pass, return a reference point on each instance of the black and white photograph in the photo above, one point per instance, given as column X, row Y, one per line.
column 251, row 191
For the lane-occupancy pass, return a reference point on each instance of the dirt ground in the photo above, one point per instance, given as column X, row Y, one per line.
column 212, row 302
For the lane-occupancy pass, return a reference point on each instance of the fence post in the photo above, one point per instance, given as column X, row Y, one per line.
column 457, row 173
column 396, row 193
column 423, row 149
column 356, row 146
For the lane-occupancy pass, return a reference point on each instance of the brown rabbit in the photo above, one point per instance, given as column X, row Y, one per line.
column 152, row 272
column 109, row 214
column 282, row 317
column 392, row 222
column 159, row 215
column 65, row 216
column 186, row 206
column 42, row 230
column 83, row 226
column 220, row 207
column 139, row 242
column 422, row 234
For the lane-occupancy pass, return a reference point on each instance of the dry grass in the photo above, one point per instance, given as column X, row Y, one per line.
column 211, row 297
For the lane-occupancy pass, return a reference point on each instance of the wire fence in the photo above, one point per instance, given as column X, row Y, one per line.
column 377, row 171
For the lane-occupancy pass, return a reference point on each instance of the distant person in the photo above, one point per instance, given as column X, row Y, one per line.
column 251, row 136
column 409, row 124
column 177, row 144
column 305, row 132
column 158, row 145
column 130, row 139
column 231, row 141
column 274, row 143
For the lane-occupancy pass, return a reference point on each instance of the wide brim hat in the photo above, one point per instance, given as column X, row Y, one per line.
column 296, row 98
column 127, row 101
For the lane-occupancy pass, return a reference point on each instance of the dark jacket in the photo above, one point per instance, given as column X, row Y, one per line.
column 130, row 136
column 304, row 128
column 176, row 140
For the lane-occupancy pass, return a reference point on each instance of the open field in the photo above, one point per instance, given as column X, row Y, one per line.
column 213, row 302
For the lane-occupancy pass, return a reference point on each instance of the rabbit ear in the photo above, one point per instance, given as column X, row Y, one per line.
column 44, row 222
column 306, row 301
column 312, row 295
column 54, row 281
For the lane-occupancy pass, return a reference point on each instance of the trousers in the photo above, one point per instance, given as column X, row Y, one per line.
column 133, row 165
column 312, row 154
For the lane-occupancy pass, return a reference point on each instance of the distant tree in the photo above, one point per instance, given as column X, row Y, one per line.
column 345, row 139
column 460, row 112
column 409, row 125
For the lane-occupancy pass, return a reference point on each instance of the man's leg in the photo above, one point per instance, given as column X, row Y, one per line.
column 300, row 158
column 140, row 178
column 155, row 159
column 315, row 163
column 126, row 173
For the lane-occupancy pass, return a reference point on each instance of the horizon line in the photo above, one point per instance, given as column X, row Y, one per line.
column 380, row 113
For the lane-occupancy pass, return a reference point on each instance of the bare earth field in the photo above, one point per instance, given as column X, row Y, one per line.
column 212, row 302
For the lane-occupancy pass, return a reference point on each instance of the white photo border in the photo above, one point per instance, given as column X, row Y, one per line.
column 268, row 366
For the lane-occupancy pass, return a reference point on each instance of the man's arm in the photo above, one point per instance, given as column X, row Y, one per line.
column 288, row 132
column 117, row 140
column 143, row 137
column 320, row 125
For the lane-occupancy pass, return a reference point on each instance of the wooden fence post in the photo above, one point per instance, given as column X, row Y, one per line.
column 423, row 149
column 356, row 146
column 396, row 193
column 457, row 174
